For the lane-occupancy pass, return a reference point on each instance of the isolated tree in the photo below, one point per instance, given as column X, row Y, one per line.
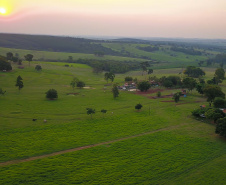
column 19, row 82
column 128, row 79
column 70, row 59
column 2, row 92
column 103, row 111
column 213, row 91
column 9, row 56
column 28, row 58
column 221, row 127
column 143, row 86
column 138, row 106
column 80, row 84
column 19, row 62
column 158, row 94
column 38, row 67
column 74, row 83
column 90, row 111
column 51, row 94
column 144, row 66
column 115, row 91
column 110, row 76
column 150, row 71
column 176, row 97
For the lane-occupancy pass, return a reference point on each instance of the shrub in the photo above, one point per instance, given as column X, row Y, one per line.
column 51, row 94
column 221, row 127
column 138, row 106
column 219, row 102
column 38, row 67
column 128, row 79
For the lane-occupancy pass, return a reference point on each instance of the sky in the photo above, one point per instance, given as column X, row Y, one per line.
column 119, row 18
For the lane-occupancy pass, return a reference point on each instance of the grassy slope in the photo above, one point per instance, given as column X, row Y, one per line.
column 175, row 155
column 164, row 57
column 45, row 55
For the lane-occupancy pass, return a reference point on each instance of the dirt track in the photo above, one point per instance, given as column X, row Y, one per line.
column 84, row 147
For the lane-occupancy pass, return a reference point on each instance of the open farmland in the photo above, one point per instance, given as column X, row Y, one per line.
column 161, row 144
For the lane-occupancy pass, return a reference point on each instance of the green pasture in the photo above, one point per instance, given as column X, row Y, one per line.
column 175, row 147
column 165, row 57
column 49, row 55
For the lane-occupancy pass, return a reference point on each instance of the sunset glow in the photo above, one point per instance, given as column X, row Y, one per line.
column 2, row 11
column 148, row 18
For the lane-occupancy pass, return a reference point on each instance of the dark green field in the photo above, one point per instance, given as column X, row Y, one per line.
column 161, row 144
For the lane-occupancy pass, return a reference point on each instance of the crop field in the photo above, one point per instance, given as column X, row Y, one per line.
column 161, row 144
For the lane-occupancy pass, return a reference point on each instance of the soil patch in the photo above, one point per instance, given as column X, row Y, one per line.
column 72, row 93
column 150, row 91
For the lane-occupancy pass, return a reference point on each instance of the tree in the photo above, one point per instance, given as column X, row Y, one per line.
column 138, row 106
column 28, row 58
column 74, row 82
column 115, row 91
column 199, row 88
column 80, row 84
column 70, row 59
column 143, row 86
column 2, row 92
column 51, row 94
column 189, row 83
column 167, row 83
column 19, row 82
column 150, row 71
column 128, row 79
column 110, row 76
column 9, row 56
column 158, row 94
column 194, row 72
column 38, row 67
column 103, row 111
column 4, row 64
column 214, row 114
column 144, row 66
column 221, row 127
column 176, row 97
column 90, row 111
column 213, row 91
column 219, row 103
column 219, row 74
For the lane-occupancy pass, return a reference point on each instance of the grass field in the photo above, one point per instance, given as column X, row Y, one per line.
column 161, row 144
column 49, row 55
column 165, row 57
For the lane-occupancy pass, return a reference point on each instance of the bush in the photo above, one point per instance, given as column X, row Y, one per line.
column 4, row 65
column 138, row 106
column 221, row 127
column 128, row 79
column 219, row 102
column 38, row 67
column 51, row 94
column 80, row 84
